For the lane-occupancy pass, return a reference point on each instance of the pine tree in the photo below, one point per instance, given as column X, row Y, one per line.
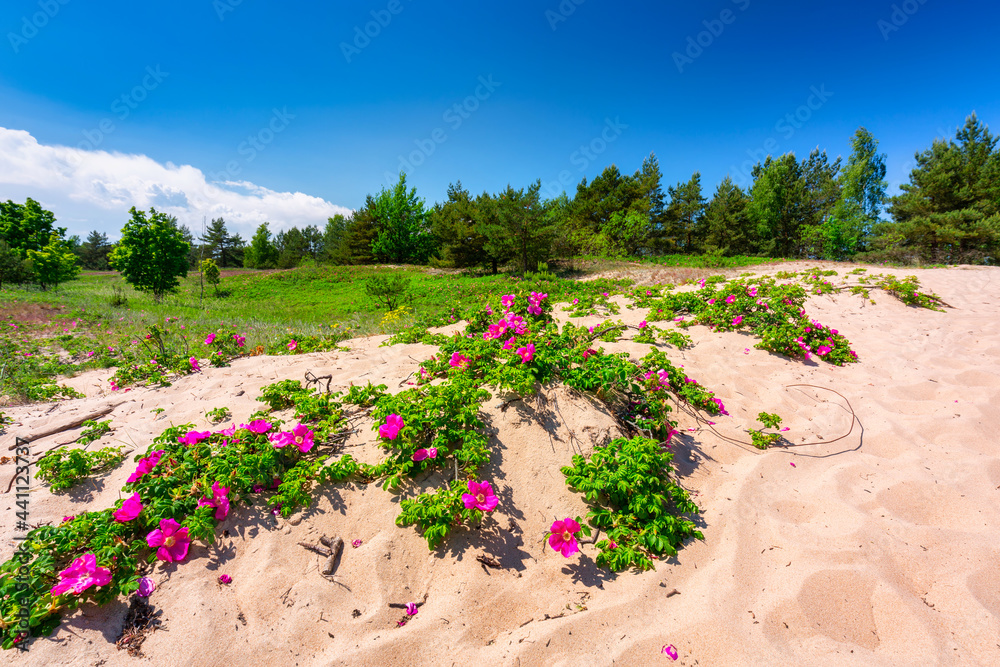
column 455, row 224
column 683, row 218
column 950, row 209
column 777, row 205
column 334, row 241
column 516, row 227
column 94, row 251
column 728, row 228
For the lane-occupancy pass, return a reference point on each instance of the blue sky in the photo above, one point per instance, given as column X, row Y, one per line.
column 105, row 105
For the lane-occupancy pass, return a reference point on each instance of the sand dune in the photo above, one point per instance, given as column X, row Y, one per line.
column 882, row 548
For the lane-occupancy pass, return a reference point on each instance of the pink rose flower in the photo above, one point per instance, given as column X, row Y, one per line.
column 526, row 353
column 422, row 454
column 145, row 466
column 146, row 587
column 129, row 510
column 210, row 339
column 194, row 364
column 170, row 541
column 81, row 575
column 193, row 437
column 480, row 497
column 258, row 426
column 391, row 428
column 562, row 536
column 219, row 500
column 300, row 436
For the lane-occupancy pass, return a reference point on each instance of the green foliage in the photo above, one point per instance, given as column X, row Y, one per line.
column 94, row 252
column 950, row 209
column 684, row 220
column 13, row 267
column 846, row 230
column 220, row 414
column 152, row 253
column 776, row 205
column 93, row 431
column 27, row 226
column 515, row 227
column 726, row 222
column 210, row 271
column 759, row 438
column 633, row 499
column 281, row 395
column 437, row 513
column 54, row 263
column 63, row 468
column 162, row 353
column 403, row 232
column 389, row 292
column 261, row 253
column 225, row 249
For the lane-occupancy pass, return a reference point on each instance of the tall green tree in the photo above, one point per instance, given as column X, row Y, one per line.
column 403, row 232
column 314, row 240
column 292, row 248
column 777, row 205
column 684, row 216
column 218, row 244
column 94, row 251
column 360, row 234
column 849, row 224
column 27, row 226
column 54, row 263
column 728, row 228
column 950, row 209
column 333, row 244
column 261, row 253
column 152, row 254
column 516, row 227
column 456, row 224
column 195, row 252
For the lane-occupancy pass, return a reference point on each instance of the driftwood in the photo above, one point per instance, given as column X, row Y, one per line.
column 74, row 423
column 336, row 546
column 329, row 547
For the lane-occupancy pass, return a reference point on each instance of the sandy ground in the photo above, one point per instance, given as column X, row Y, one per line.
column 882, row 548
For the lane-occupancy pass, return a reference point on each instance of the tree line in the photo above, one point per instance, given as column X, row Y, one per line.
column 815, row 208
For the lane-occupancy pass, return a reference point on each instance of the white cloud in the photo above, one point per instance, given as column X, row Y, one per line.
column 93, row 189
